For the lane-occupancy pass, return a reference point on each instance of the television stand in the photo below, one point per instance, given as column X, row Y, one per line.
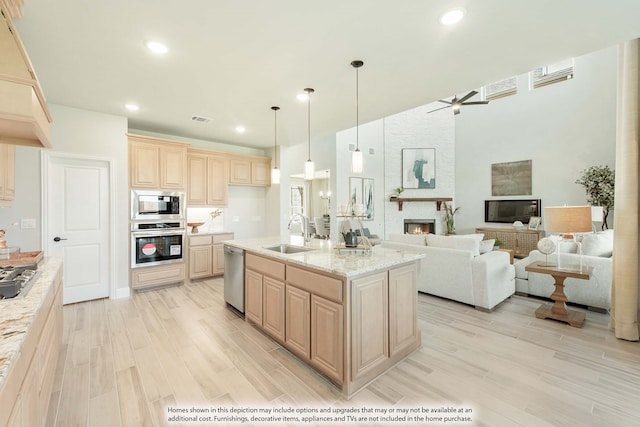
column 520, row 241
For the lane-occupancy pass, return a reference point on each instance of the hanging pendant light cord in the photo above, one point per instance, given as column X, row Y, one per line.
column 357, row 110
column 309, row 121
column 275, row 134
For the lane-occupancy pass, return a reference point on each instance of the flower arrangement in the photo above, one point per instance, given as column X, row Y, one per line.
column 599, row 184
column 449, row 217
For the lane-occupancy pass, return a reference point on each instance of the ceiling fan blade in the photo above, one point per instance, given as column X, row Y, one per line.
column 438, row 109
column 476, row 103
column 467, row 96
column 446, row 102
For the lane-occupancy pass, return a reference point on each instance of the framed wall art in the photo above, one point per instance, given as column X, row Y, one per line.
column 511, row 178
column 419, row 168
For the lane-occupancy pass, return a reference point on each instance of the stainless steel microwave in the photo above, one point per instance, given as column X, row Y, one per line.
column 157, row 205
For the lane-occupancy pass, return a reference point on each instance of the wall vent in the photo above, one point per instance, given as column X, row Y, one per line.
column 200, row 119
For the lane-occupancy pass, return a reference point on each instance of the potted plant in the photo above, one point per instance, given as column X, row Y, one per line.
column 449, row 217
column 497, row 243
column 397, row 192
column 599, row 184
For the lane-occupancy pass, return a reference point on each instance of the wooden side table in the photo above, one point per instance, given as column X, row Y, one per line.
column 558, row 310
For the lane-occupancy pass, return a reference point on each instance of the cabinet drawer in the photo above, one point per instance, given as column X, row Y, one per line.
column 265, row 266
column 327, row 287
column 154, row 276
column 199, row 240
column 218, row 238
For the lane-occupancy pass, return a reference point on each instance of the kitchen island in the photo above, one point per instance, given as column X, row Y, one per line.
column 350, row 316
column 30, row 341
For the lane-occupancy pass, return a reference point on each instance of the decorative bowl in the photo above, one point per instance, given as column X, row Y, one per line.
column 194, row 226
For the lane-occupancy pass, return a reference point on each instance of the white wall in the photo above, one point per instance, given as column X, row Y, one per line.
column 371, row 136
column 417, row 128
column 563, row 128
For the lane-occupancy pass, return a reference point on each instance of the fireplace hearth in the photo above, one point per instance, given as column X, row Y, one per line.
column 419, row 226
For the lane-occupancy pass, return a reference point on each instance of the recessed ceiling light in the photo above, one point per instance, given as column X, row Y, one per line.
column 132, row 107
column 452, row 16
column 240, row 129
column 302, row 96
column 157, row 47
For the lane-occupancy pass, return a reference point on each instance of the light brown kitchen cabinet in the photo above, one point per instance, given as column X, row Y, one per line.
column 26, row 390
column 200, row 257
column 403, row 325
column 7, row 174
column 253, row 297
column 146, row 277
column 327, row 352
column 206, row 255
column 273, row 307
column 208, row 179
column 157, row 163
column 24, row 115
column 249, row 170
column 298, row 321
column 369, row 323
column 265, row 294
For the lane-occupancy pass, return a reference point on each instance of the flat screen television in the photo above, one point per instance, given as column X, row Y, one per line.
column 509, row 211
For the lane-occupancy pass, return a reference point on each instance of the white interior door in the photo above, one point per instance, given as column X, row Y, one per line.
column 78, row 224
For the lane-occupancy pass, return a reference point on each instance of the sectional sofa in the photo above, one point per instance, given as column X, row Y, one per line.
column 455, row 269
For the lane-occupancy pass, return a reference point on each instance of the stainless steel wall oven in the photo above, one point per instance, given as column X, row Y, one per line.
column 157, row 243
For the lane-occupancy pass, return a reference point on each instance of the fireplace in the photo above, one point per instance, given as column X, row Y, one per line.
column 419, row 226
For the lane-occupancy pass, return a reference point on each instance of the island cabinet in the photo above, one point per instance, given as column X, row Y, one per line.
column 7, row 174
column 207, row 179
column 249, row 170
column 351, row 329
column 26, row 390
column 157, row 163
column 265, row 300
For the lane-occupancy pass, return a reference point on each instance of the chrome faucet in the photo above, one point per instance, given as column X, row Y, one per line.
column 305, row 226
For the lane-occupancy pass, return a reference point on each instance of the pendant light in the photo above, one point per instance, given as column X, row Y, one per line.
column 309, row 168
column 275, row 172
column 356, row 157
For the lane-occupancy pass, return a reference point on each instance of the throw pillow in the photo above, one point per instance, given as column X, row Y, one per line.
column 470, row 244
column 598, row 244
column 487, row 246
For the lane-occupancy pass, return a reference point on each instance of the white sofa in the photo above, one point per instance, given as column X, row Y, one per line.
column 595, row 293
column 454, row 268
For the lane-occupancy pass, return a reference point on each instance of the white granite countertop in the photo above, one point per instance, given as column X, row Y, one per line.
column 16, row 315
column 325, row 257
column 204, row 232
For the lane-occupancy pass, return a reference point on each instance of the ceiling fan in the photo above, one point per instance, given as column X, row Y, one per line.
column 456, row 103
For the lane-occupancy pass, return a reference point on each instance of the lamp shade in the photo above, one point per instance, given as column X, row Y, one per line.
column 567, row 219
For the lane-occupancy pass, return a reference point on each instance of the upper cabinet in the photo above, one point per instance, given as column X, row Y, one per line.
column 157, row 163
column 24, row 116
column 250, row 170
column 7, row 174
column 207, row 178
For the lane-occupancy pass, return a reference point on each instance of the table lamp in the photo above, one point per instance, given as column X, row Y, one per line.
column 567, row 220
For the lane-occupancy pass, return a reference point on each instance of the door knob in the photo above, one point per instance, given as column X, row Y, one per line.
column 57, row 239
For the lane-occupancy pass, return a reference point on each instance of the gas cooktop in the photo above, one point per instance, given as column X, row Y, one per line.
column 16, row 280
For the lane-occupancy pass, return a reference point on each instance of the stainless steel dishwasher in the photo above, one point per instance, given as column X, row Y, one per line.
column 234, row 277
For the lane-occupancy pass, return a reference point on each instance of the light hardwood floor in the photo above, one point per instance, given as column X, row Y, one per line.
column 124, row 361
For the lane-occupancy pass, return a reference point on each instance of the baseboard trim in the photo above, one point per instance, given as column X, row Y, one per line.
column 122, row 293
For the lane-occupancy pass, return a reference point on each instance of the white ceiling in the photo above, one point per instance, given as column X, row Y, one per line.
column 231, row 60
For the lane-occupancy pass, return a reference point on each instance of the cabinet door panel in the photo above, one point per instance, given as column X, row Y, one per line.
column 240, row 171
column 145, row 162
column 369, row 323
column 217, row 181
column 273, row 308
column 253, row 297
column 403, row 328
column 172, row 167
column 298, row 316
column 200, row 262
column 260, row 172
column 218, row 259
column 197, row 180
column 327, row 337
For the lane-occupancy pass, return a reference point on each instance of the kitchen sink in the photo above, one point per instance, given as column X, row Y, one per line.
column 284, row 248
